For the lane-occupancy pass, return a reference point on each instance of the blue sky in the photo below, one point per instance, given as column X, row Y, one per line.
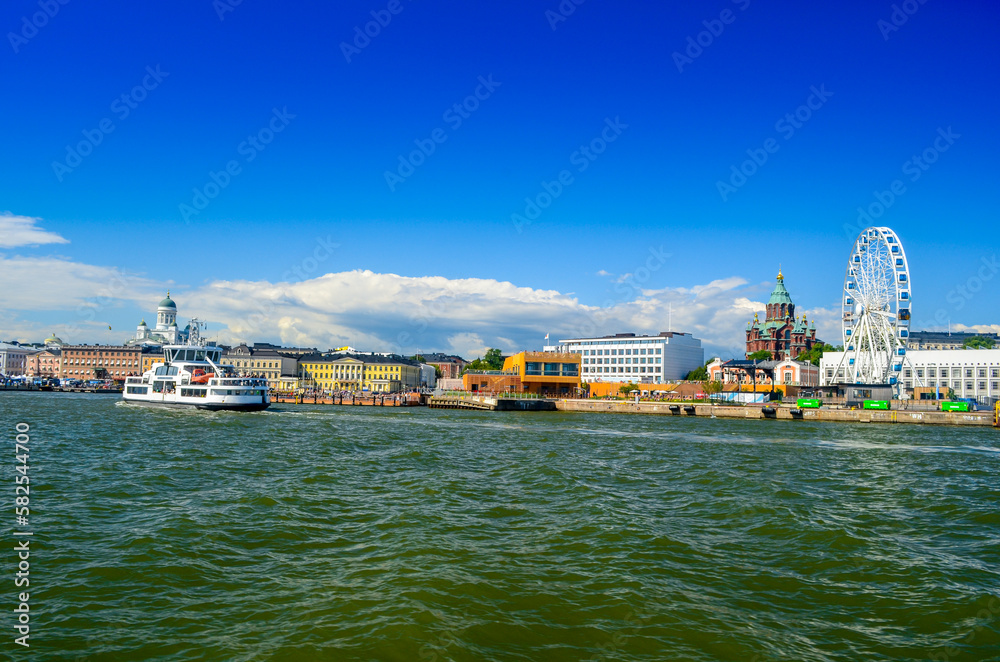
column 432, row 259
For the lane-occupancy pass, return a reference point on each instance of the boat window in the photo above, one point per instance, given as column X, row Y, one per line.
column 199, row 355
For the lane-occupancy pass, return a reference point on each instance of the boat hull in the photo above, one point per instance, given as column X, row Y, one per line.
column 209, row 406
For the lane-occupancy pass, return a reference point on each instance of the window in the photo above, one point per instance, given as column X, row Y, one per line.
column 968, row 373
column 994, row 386
column 968, row 386
column 995, row 372
column 931, row 372
column 982, row 372
column 982, row 386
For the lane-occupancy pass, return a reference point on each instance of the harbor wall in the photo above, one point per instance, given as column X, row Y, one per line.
column 977, row 418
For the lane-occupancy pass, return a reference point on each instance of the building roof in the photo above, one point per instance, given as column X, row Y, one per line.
column 780, row 294
column 168, row 302
column 629, row 336
column 946, row 337
column 437, row 357
column 363, row 358
column 257, row 346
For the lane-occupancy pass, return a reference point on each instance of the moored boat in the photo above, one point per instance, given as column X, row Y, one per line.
column 193, row 376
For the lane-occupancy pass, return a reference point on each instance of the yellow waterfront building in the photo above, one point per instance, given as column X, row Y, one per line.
column 389, row 374
column 374, row 373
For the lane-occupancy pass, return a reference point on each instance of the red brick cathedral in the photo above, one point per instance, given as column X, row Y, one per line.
column 781, row 334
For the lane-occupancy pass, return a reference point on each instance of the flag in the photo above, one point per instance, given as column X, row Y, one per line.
column 546, row 336
column 109, row 327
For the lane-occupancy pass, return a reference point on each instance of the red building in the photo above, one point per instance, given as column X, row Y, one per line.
column 100, row 362
column 781, row 333
column 46, row 363
column 450, row 366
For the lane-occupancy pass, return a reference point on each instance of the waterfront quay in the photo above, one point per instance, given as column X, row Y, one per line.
column 753, row 412
column 350, row 399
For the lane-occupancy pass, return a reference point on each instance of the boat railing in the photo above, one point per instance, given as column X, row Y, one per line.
column 239, row 381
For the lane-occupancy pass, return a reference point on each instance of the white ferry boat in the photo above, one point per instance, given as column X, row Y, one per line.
column 192, row 376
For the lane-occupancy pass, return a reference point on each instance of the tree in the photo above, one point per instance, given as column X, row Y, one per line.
column 625, row 389
column 699, row 374
column 762, row 355
column 711, row 387
column 978, row 342
column 816, row 353
column 492, row 361
column 419, row 358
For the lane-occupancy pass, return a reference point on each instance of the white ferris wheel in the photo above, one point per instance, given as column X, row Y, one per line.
column 876, row 309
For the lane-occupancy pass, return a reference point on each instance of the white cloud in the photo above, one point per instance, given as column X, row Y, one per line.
column 464, row 316
column 602, row 272
column 386, row 312
column 58, row 283
column 22, row 231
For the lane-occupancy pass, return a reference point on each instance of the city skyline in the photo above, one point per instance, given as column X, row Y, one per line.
column 293, row 180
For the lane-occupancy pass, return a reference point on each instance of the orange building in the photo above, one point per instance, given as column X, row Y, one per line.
column 552, row 374
column 491, row 381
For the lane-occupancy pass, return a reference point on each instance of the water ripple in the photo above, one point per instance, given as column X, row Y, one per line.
column 322, row 533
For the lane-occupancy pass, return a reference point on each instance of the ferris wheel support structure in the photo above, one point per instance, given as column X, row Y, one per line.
column 876, row 310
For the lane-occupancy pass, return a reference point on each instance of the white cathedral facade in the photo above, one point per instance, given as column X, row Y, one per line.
column 166, row 331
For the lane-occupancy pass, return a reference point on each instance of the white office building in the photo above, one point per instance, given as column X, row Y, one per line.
column 626, row 357
column 428, row 375
column 971, row 373
column 14, row 359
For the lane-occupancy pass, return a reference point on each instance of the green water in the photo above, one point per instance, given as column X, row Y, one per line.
column 338, row 533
